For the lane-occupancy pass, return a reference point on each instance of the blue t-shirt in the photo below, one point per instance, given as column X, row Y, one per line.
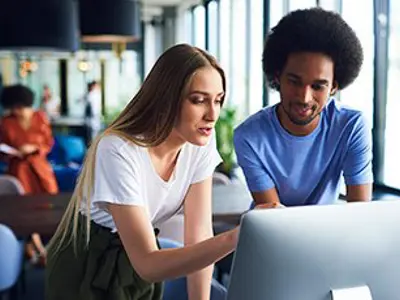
column 305, row 170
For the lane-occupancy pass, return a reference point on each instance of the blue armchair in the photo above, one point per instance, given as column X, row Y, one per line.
column 66, row 158
column 11, row 261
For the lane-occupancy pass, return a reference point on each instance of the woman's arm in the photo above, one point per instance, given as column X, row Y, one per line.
column 48, row 141
column 198, row 227
column 156, row 265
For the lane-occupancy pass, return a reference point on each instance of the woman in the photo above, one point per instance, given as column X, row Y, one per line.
column 156, row 157
column 29, row 132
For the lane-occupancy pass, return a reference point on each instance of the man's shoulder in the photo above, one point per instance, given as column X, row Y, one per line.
column 342, row 115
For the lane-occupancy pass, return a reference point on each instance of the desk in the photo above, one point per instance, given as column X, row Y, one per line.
column 42, row 213
column 33, row 213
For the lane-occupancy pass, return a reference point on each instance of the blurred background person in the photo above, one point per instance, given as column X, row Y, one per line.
column 50, row 104
column 29, row 132
column 92, row 114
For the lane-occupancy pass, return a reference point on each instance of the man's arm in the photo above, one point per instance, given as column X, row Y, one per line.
column 361, row 192
column 268, row 196
column 358, row 163
column 258, row 180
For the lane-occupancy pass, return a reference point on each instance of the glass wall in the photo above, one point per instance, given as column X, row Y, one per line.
column 225, row 41
column 34, row 71
column 360, row 94
column 392, row 144
column 254, row 54
column 199, row 26
column 238, row 75
column 212, row 26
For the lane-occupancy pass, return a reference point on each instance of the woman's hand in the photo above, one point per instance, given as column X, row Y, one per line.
column 28, row 149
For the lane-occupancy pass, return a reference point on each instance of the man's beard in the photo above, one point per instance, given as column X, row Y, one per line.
column 302, row 122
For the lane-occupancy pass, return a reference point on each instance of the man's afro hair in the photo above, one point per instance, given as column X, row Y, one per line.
column 313, row 30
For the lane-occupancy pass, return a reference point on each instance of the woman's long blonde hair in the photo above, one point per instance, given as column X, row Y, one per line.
column 147, row 120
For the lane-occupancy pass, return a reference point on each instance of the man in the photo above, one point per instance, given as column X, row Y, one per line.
column 50, row 104
column 92, row 112
column 295, row 152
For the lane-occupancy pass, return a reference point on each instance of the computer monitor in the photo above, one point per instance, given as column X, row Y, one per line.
column 305, row 253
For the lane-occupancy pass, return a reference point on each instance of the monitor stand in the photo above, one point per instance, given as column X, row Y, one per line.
column 355, row 293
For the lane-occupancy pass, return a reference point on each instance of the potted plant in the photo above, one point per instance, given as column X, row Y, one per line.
column 224, row 135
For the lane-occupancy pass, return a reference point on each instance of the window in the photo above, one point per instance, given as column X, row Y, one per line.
column 278, row 9
column 330, row 5
column 225, row 42
column 255, row 78
column 360, row 94
column 239, row 57
column 81, row 69
column 150, row 44
column 212, row 25
column 301, row 4
column 392, row 145
column 122, row 80
column 47, row 73
column 199, row 20
column 184, row 33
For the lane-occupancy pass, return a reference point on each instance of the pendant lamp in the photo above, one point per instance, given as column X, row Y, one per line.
column 109, row 21
column 43, row 25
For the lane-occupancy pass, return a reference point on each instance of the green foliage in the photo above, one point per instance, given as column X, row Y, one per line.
column 224, row 135
column 111, row 115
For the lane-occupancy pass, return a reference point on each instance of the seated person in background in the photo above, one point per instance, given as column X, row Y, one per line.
column 29, row 133
column 295, row 151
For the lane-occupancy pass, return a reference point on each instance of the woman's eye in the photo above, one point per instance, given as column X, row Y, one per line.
column 197, row 100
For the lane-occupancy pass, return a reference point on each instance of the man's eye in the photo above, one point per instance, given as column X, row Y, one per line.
column 294, row 82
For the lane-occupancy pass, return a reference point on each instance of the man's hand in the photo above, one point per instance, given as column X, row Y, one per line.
column 269, row 205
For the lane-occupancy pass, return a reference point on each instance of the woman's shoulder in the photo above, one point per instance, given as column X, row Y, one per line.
column 42, row 116
column 117, row 144
column 7, row 120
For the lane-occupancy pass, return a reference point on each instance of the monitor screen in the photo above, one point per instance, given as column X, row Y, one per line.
column 312, row 252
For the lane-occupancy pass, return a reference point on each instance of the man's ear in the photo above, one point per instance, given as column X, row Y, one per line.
column 277, row 82
column 334, row 88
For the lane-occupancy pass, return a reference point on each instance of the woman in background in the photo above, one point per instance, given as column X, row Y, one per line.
column 29, row 132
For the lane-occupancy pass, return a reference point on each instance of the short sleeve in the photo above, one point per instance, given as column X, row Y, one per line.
column 116, row 177
column 207, row 161
column 358, row 161
column 256, row 175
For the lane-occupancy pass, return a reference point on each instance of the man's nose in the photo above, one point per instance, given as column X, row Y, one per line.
column 305, row 94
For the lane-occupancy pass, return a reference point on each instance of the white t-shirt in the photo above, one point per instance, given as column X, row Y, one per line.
column 93, row 98
column 124, row 174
